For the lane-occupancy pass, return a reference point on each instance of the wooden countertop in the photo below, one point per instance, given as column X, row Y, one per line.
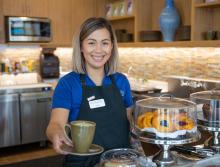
column 23, row 153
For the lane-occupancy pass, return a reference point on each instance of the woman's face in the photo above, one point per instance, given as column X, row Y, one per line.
column 97, row 48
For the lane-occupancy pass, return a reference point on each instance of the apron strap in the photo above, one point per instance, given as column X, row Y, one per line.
column 113, row 82
column 83, row 79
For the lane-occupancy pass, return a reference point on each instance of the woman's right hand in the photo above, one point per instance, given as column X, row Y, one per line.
column 55, row 129
column 58, row 139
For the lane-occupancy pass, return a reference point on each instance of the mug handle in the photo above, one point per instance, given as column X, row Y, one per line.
column 67, row 132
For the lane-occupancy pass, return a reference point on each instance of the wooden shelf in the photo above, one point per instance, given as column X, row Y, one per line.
column 120, row 18
column 214, row 43
column 208, row 5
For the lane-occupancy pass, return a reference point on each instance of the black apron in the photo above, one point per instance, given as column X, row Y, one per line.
column 112, row 126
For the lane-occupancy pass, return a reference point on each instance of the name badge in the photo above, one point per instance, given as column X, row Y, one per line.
column 97, row 103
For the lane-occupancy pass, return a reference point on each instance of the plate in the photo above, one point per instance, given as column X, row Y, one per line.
column 188, row 157
column 93, row 150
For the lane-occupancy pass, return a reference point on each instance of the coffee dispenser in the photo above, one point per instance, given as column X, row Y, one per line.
column 49, row 64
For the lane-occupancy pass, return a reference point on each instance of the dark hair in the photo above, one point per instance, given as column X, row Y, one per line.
column 89, row 26
column 94, row 23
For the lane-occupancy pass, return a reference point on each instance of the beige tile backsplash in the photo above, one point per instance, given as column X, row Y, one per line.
column 150, row 63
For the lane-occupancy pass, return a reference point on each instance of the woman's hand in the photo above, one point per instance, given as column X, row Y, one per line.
column 55, row 129
column 58, row 139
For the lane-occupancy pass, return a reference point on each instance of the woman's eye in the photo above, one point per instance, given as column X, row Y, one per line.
column 91, row 43
column 105, row 43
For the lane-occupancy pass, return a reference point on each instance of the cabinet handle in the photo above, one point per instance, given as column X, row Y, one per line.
column 42, row 100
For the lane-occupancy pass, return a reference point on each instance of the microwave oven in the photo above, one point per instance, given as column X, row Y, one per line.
column 28, row 29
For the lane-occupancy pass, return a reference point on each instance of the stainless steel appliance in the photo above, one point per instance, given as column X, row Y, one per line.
column 28, row 29
column 49, row 64
column 24, row 114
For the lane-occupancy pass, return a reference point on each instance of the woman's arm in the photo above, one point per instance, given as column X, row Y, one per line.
column 55, row 129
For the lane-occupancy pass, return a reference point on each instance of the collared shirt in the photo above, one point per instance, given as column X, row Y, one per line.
column 68, row 92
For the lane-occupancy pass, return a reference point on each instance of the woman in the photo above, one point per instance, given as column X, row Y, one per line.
column 94, row 77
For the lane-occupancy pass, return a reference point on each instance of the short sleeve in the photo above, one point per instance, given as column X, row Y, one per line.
column 62, row 95
column 128, row 101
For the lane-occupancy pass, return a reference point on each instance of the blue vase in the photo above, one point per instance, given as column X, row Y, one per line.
column 169, row 21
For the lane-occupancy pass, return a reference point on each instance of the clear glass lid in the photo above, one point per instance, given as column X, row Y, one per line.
column 165, row 118
column 208, row 107
column 120, row 157
column 165, row 102
column 206, row 95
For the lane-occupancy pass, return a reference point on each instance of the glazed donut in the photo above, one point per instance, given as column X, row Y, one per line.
column 183, row 122
column 145, row 120
column 163, row 123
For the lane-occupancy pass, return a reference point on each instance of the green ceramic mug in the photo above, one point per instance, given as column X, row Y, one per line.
column 81, row 134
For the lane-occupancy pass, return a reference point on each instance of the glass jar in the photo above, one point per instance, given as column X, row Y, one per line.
column 122, row 157
column 208, row 107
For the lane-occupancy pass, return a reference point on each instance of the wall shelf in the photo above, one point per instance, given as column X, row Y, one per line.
column 208, row 5
column 214, row 43
column 120, row 18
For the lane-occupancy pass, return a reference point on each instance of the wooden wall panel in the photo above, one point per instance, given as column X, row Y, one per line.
column 183, row 7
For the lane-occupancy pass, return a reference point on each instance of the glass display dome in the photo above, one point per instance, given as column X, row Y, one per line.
column 165, row 118
column 122, row 157
column 208, row 107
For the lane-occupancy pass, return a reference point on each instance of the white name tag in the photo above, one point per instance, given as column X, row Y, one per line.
column 97, row 103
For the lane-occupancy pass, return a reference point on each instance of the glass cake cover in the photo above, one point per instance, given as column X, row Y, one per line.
column 165, row 118
column 208, row 107
column 122, row 157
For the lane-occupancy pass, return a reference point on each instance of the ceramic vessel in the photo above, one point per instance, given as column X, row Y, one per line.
column 169, row 21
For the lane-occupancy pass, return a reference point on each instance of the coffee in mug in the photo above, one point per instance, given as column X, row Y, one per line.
column 81, row 134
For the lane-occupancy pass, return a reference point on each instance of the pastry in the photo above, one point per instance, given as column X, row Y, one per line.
column 163, row 123
column 211, row 114
column 145, row 120
column 183, row 122
column 206, row 111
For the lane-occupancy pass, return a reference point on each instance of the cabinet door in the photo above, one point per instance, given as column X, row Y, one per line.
column 37, row 8
column 35, row 108
column 83, row 9
column 9, row 120
column 2, row 31
column 14, row 8
column 60, row 12
column 67, row 16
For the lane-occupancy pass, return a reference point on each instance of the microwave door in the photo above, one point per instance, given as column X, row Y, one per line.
column 45, row 30
column 24, row 29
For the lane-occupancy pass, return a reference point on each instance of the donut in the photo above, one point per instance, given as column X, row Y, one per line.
column 145, row 120
column 183, row 122
column 163, row 123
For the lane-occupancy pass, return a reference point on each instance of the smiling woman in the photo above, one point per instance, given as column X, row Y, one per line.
column 94, row 91
column 96, row 49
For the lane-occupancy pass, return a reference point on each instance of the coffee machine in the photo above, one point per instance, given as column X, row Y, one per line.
column 49, row 64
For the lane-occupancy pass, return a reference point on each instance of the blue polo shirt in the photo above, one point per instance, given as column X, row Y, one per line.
column 68, row 92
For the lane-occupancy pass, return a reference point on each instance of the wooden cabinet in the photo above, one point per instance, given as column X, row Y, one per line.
column 135, row 15
column 66, row 16
column 144, row 15
column 205, row 17
column 60, row 12
column 2, row 34
column 31, row 8
column 81, row 10
column 195, row 13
